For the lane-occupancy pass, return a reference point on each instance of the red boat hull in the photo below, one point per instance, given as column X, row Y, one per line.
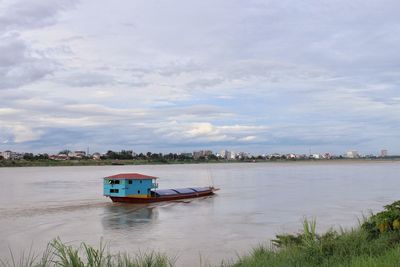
column 162, row 198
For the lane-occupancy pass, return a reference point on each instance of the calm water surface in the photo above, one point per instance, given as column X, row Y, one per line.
column 255, row 202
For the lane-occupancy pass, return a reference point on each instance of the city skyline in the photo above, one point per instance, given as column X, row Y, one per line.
column 273, row 76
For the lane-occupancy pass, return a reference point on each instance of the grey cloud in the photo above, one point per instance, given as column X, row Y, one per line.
column 85, row 79
column 32, row 14
column 205, row 82
column 176, row 68
column 19, row 64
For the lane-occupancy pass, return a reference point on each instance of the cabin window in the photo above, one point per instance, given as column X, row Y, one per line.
column 114, row 190
column 116, row 182
column 130, row 182
column 140, row 181
column 138, row 191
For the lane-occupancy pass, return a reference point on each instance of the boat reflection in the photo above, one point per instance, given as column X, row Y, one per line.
column 128, row 216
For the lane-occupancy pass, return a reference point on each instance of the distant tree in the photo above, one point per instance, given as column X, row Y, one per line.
column 111, row 155
column 1, row 157
column 42, row 156
column 170, row 156
column 213, row 157
column 28, row 156
column 141, row 156
column 156, row 156
column 125, row 154
column 183, row 157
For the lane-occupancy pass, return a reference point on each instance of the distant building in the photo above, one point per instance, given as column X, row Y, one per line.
column 223, row 153
column 384, row 153
column 352, row 154
column 274, row 156
column 12, row 155
column 96, row 156
column 59, row 157
column 316, row 156
column 77, row 154
column 243, row 155
column 202, row 153
column 7, row 154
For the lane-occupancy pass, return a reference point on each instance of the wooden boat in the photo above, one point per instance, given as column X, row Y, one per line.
column 140, row 188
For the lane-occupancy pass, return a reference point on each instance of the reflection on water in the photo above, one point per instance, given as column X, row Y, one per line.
column 122, row 216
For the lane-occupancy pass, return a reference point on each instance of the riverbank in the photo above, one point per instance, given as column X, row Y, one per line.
column 108, row 162
column 374, row 243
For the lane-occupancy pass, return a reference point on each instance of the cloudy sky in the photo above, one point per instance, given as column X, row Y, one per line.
column 178, row 75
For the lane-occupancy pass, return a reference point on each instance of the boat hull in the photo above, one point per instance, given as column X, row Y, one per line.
column 162, row 198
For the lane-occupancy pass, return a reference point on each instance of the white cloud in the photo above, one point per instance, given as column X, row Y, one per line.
column 18, row 133
column 248, row 138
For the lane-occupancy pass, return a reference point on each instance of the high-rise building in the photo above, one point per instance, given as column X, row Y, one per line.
column 352, row 154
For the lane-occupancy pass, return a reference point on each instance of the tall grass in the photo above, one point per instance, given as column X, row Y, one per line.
column 358, row 247
column 58, row 254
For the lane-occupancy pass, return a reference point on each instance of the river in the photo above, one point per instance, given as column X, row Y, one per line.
column 255, row 202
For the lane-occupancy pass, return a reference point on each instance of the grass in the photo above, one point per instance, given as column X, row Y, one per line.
column 59, row 254
column 359, row 247
column 374, row 243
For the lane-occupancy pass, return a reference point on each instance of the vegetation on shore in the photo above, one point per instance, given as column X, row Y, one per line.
column 374, row 243
column 59, row 254
column 127, row 157
column 105, row 162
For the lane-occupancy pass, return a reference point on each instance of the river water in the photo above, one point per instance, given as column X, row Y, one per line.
column 255, row 202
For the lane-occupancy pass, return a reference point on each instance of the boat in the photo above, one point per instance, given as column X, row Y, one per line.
column 140, row 188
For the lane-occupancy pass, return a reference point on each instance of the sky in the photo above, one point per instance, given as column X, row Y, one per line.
column 181, row 75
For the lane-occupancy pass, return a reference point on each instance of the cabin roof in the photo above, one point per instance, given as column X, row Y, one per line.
column 132, row 176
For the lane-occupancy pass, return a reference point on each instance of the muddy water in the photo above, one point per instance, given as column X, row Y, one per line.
column 255, row 202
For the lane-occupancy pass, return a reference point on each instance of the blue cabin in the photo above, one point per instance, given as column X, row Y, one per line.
column 129, row 185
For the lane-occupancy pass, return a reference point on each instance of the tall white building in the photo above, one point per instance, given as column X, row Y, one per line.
column 352, row 154
column 7, row 154
column 223, row 153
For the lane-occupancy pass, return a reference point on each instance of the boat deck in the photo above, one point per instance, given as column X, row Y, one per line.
column 168, row 195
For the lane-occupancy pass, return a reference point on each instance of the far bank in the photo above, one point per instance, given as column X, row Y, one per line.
column 109, row 162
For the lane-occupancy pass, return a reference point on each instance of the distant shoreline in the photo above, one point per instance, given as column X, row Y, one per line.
column 89, row 162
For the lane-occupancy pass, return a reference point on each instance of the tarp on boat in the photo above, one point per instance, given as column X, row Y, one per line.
column 180, row 191
column 200, row 189
column 184, row 190
column 165, row 192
